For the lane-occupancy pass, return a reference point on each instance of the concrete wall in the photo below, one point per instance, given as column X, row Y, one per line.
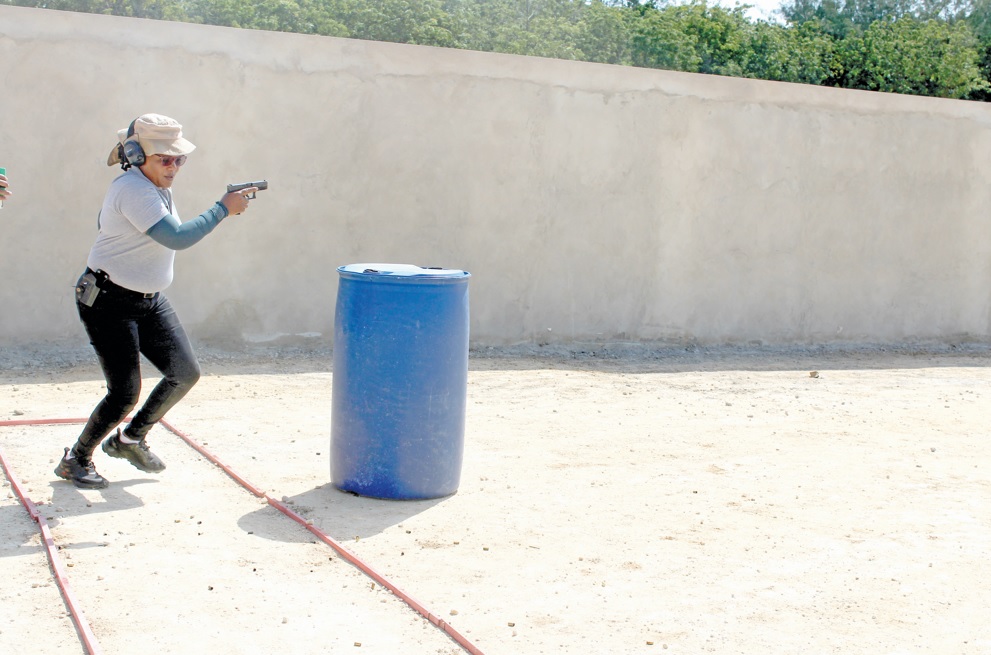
column 589, row 202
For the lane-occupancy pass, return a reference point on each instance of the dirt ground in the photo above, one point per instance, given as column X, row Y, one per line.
column 626, row 501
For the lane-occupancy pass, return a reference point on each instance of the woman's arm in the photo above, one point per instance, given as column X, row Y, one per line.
column 179, row 236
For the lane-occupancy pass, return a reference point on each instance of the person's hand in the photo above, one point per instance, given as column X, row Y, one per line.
column 4, row 189
column 237, row 201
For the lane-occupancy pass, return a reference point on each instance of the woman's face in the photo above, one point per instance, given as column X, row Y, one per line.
column 162, row 169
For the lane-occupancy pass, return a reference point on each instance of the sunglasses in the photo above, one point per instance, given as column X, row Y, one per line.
column 168, row 161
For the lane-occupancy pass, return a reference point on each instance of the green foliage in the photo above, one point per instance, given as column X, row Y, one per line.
column 701, row 39
column 926, row 47
column 542, row 28
column 659, row 42
column 420, row 22
column 157, row 9
column 827, row 14
column 720, row 36
column 931, row 58
column 603, row 34
column 804, row 54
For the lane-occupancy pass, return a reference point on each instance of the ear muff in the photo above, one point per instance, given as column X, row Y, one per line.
column 130, row 152
column 133, row 154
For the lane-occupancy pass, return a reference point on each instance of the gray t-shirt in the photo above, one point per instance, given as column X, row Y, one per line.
column 130, row 257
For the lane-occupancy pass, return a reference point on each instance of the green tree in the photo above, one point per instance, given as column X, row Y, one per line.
column 659, row 41
column 864, row 13
column 298, row 16
column 720, row 35
column 804, row 54
column 924, row 47
column 694, row 37
column 155, row 9
column 525, row 27
column 827, row 13
column 604, row 32
column 420, row 22
column 931, row 58
column 228, row 13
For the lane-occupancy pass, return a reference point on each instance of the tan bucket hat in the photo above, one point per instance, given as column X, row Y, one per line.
column 156, row 134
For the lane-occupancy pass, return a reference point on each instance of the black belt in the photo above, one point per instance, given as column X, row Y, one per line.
column 103, row 282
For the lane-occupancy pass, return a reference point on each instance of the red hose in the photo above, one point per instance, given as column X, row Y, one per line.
column 58, row 566
column 87, row 635
column 330, row 541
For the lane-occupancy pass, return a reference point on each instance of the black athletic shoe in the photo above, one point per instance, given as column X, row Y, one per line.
column 80, row 472
column 137, row 454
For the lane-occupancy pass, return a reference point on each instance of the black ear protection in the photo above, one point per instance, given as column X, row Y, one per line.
column 130, row 152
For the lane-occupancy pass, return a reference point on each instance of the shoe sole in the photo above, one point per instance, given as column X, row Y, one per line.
column 82, row 485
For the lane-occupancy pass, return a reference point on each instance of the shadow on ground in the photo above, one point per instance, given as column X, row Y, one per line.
column 341, row 515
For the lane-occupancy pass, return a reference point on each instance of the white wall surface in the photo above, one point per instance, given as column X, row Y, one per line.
column 589, row 202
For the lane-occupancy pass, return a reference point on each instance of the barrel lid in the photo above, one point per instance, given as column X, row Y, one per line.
column 401, row 270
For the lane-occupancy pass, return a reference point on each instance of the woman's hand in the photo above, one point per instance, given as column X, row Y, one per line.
column 237, row 201
column 4, row 191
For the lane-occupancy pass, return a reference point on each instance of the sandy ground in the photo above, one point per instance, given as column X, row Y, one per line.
column 657, row 501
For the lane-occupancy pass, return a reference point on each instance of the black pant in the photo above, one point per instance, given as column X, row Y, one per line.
column 123, row 325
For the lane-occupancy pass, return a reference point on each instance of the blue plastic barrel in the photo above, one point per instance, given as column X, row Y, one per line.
column 400, row 381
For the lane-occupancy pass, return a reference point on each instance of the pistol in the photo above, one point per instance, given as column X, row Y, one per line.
column 261, row 184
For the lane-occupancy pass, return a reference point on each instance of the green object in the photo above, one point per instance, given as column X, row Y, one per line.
column 3, row 171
